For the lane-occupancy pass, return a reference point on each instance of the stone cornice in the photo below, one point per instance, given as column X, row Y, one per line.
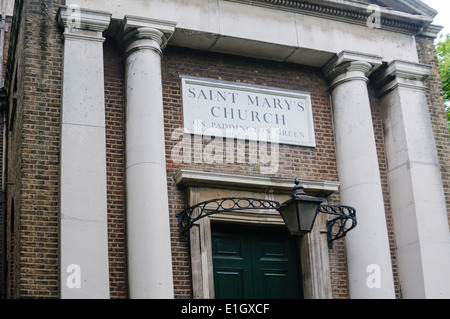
column 417, row 5
column 408, row 70
column 139, row 33
column 401, row 74
column 348, row 65
column 83, row 19
column 432, row 31
column 349, row 11
column 134, row 22
column 350, row 56
column 195, row 178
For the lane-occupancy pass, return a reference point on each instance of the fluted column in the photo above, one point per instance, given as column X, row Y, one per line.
column 357, row 161
column 417, row 195
column 148, row 233
column 83, row 202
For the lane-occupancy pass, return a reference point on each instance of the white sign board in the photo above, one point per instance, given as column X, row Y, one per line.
column 247, row 111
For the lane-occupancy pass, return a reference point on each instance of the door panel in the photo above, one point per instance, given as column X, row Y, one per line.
column 255, row 262
column 230, row 283
column 231, row 258
column 275, row 285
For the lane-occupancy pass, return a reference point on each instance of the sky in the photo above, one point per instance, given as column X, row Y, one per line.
column 443, row 17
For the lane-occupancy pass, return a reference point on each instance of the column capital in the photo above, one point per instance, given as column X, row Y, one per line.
column 76, row 21
column 348, row 65
column 140, row 33
column 399, row 73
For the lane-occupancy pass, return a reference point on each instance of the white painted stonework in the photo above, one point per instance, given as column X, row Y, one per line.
column 84, row 241
column 148, row 233
column 358, row 169
column 254, row 31
column 417, row 195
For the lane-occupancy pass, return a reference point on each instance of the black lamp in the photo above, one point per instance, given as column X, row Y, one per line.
column 300, row 211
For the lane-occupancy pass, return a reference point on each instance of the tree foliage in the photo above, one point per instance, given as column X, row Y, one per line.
column 443, row 52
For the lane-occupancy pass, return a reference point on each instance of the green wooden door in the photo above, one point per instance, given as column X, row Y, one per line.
column 255, row 262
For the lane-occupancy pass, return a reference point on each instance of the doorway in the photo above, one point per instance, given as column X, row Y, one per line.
column 255, row 262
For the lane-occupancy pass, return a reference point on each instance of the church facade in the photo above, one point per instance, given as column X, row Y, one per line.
column 120, row 114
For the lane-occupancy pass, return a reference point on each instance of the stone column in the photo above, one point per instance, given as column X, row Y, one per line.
column 368, row 253
column 417, row 195
column 83, row 203
column 149, row 248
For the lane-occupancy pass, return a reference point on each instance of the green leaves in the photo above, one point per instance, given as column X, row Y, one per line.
column 443, row 52
column 447, row 108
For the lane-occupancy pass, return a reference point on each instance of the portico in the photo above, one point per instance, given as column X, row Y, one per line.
column 351, row 59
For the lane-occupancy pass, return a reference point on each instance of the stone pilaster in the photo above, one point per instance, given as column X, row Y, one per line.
column 417, row 195
column 83, row 203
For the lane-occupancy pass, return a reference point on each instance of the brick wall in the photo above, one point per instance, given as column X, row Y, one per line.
column 14, row 155
column 114, row 99
column 34, row 154
column 435, row 97
column 4, row 105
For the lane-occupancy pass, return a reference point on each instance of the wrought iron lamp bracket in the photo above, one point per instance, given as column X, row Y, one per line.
column 337, row 227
